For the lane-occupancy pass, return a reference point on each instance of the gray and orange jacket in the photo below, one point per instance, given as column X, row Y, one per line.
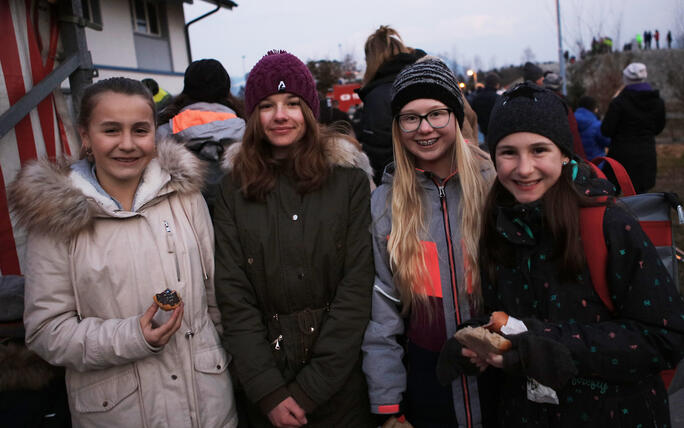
column 389, row 382
column 210, row 121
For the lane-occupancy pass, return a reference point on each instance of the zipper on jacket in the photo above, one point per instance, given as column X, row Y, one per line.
column 194, row 413
column 141, row 402
column 276, row 342
column 454, row 285
column 171, row 247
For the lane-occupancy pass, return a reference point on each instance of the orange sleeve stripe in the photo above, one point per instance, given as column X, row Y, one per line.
column 388, row 409
column 188, row 118
column 432, row 284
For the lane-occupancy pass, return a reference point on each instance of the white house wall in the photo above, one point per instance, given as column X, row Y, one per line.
column 172, row 84
column 114, row 44
column 179, row 52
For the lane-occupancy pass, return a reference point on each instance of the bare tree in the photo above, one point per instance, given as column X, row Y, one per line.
column 452, row 60
column 349, row 67
column 477, row 63
column 528, row 55
column 592, row 24
column 678, row 30
column 492, row 62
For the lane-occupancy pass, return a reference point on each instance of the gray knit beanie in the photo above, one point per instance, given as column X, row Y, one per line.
column 553, row 81
column 634, row 73
column 429, row 78
column 530, row 108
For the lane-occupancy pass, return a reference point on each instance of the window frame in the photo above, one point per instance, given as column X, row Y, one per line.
column 146, row 6
column 92, row 8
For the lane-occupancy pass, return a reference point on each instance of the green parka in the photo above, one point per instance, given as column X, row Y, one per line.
column 294, row 276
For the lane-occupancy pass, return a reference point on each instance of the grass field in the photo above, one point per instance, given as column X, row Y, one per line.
column 670, row 178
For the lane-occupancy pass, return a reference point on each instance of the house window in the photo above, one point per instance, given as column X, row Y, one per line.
column 91, row 11
column 146, row 17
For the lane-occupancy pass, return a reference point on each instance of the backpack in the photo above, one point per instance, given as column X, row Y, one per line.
column 211, row 152
column 653, row 213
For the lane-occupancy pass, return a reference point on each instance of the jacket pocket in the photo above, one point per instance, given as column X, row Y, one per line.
column 212, row 361
column 293, row 337
column 214, row 390
column 107, row 394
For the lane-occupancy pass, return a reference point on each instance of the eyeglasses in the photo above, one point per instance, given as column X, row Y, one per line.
column 438, row 118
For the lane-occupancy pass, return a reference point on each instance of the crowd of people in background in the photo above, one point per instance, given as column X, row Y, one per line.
column 324, row 267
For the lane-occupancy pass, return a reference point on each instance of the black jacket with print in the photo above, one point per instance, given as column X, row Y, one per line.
column 617, row 355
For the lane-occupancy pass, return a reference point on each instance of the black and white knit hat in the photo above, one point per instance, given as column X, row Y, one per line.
column 530, row 108
column 429, row 78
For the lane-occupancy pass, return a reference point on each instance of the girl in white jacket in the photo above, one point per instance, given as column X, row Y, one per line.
column 104, row 235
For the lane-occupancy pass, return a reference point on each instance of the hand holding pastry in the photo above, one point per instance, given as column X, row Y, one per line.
column 159, row 336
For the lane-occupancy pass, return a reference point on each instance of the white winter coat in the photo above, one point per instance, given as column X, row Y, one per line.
column 92, row 270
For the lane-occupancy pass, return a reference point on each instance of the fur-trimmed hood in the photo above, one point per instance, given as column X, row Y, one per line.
column 51, row 198
column 338, row 151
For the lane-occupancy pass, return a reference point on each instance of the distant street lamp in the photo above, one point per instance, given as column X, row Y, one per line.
column 472, row 73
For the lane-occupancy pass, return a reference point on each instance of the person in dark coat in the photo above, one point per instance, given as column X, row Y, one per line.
column 632, row 121
column 485, row 100
column 573, row 362
column 206, row 118
column 294, row 263
column 533, row 73
column 386, row 56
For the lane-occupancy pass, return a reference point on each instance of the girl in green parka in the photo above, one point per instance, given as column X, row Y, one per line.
column 294, row 259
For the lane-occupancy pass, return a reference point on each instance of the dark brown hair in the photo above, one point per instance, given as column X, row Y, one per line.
column 255, row 168
column 119, row 85
column 561, row 209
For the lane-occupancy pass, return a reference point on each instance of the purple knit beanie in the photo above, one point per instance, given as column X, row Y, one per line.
column 280, row 71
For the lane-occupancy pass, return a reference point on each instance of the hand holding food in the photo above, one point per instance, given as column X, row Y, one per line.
column 482, row 341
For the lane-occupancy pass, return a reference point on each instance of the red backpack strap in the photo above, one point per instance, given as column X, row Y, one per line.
column 594, row 167
column 595, row 251
column 620, row 174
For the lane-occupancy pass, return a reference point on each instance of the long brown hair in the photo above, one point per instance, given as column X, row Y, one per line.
column 255, row 168
column 561, row 204
column 380, row 46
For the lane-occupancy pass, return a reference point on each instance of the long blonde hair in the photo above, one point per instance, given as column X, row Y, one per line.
column 404, row 246
column 380, row 46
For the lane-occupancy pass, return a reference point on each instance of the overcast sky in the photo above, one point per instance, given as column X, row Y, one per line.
column 491, row 32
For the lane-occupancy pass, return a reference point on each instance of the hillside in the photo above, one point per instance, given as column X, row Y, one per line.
column 601, row 77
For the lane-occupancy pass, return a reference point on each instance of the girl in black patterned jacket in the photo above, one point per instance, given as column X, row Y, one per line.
column 573, row 361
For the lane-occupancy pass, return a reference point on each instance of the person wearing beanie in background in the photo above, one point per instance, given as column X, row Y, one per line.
column 294, row 263
column 206, row 117
column 386, row 56
column 632, row 121
column 484, row 101
column 573, row 361
column 426, row 279
column 533, row 73
column 554, row 83
column 160, row 96
column 589, row 127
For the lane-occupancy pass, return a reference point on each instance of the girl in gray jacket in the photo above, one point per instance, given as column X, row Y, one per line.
column 425, row 239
